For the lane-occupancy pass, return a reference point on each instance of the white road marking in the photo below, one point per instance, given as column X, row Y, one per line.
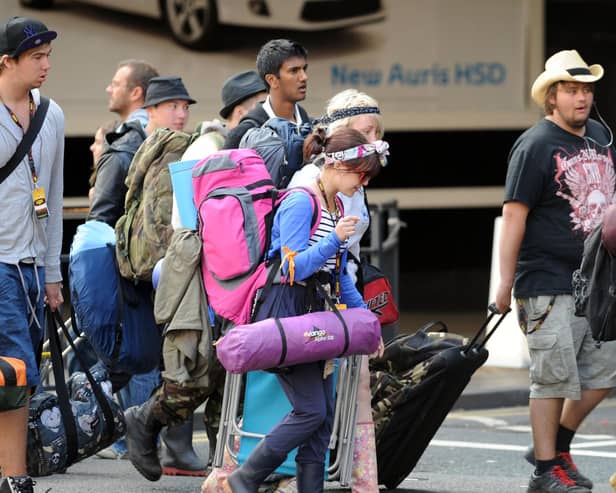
column 512, row 448
column 478, row 445
column 594, row 437
column 591, row 443
column 502, row 424
column 484, row 420
column 518, row 428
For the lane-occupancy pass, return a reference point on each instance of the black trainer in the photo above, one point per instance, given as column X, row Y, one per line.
column 573, row 471
column 17, row 484
column 555, row 480
column 567, row 464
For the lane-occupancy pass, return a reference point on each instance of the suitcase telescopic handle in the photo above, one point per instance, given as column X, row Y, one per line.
column 475, row 343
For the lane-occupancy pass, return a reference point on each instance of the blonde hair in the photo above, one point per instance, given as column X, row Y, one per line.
column 351, row 98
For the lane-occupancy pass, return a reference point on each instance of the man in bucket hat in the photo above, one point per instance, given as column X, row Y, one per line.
column 559, row 182
column 173, row 404
column 30, row 221
column 167, row 102
column 240, row 93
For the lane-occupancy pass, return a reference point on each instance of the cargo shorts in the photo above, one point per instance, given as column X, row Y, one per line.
column 564, row 358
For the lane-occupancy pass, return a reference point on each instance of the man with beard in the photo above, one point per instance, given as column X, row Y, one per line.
column 554, row 169
column 126, row 92
column 282, row 65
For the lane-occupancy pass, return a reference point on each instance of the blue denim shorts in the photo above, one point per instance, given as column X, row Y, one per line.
column 18, row 337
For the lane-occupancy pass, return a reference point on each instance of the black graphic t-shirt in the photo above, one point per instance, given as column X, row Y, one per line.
column 567, row 182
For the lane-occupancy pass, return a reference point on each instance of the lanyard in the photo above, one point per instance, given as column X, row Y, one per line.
column 31, row 110
column 335, row 217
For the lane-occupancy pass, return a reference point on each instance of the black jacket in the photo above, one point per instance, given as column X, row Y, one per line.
column 254, row 118
column 109, row 188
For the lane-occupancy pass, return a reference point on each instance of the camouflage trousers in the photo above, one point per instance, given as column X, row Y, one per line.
column 174, row 403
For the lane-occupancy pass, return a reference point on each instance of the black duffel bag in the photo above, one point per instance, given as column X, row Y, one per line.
column 77, row 421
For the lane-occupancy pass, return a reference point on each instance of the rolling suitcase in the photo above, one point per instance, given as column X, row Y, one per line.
column 409, row 408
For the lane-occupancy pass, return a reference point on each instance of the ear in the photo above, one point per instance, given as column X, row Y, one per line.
column 5, row 60
column 272, row 81
column 137, row 94
column 239, row 111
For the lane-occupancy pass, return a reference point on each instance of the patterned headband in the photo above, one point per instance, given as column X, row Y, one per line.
column 379, row 147
column 349, row 112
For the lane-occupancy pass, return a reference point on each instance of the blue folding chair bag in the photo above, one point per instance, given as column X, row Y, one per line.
column 265, row 404
column 181, row 181
column 93, row 279
column 95, row 303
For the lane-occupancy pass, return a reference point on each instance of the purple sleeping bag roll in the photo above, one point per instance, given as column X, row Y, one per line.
column 280, row 342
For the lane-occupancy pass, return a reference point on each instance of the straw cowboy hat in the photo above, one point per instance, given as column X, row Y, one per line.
column 566, row 65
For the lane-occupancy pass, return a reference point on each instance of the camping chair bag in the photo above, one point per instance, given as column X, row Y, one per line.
column 282, row 342
column 116, row 315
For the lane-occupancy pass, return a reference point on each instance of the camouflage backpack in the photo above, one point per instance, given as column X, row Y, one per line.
column 144, row 231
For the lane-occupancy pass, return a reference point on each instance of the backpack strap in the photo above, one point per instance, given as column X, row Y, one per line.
column 304, row 115
column 252, row 121
column 273, row 265
column 27, row 140
column 61, row 388
column 316, row 205
column 272, row 269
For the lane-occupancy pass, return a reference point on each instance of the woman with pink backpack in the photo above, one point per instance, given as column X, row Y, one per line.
column 348, row 162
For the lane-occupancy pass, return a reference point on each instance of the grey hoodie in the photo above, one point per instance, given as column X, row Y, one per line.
column 22, row 235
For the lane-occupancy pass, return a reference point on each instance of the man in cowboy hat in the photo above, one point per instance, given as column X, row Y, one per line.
column 560, row 180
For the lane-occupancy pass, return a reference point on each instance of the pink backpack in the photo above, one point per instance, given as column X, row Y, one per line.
column 236, row 201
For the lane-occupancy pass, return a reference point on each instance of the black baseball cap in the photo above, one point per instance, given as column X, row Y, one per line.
column 19, row 34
